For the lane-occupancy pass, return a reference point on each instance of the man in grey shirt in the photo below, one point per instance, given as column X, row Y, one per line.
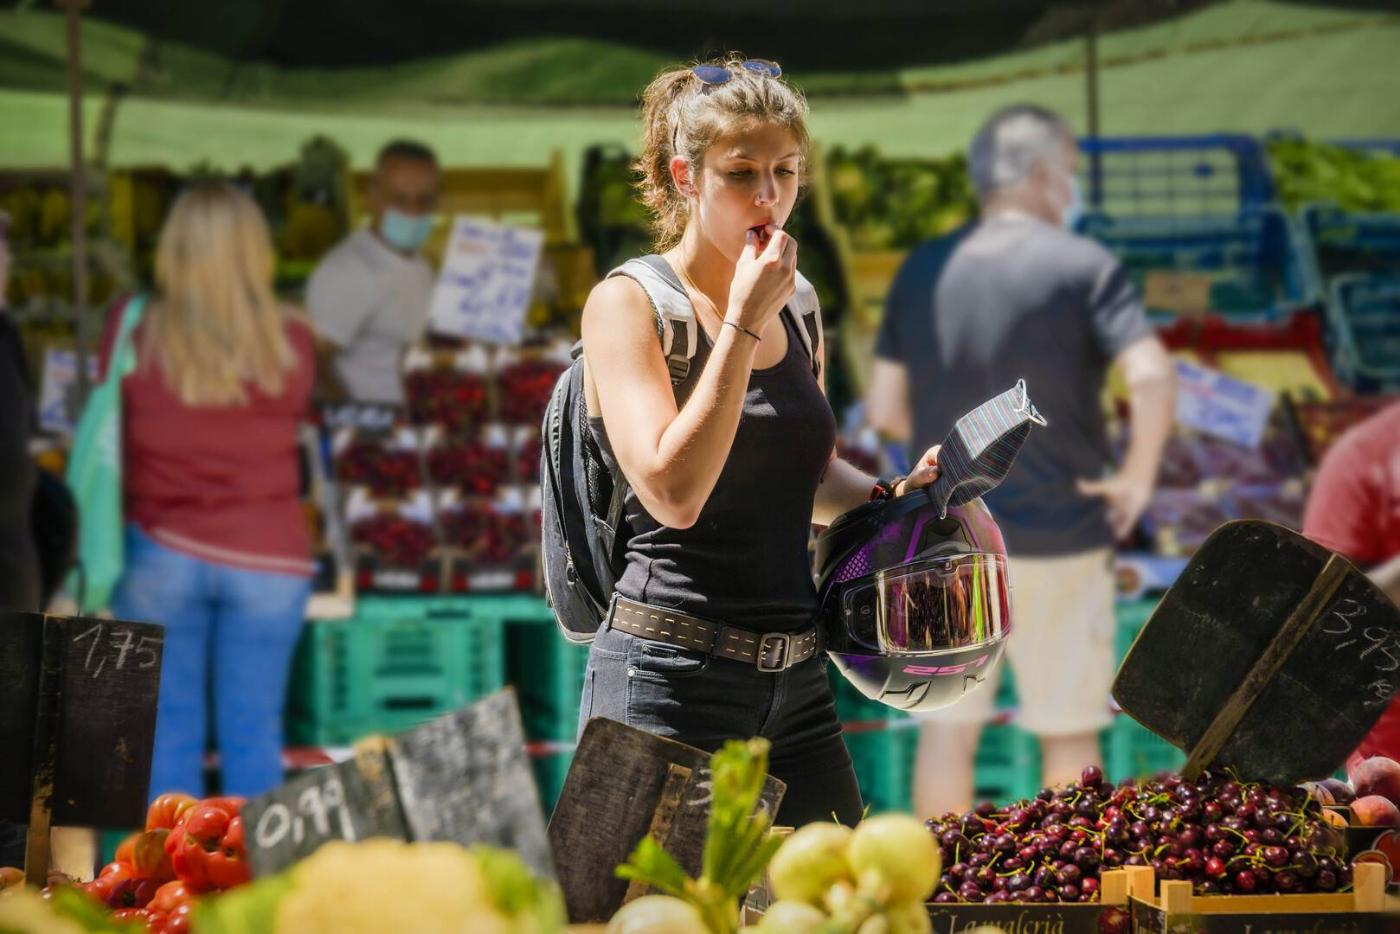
column 1019, row 296
column 369, row 296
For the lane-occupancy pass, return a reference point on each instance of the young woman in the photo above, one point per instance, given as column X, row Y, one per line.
column 217, row 549
column 711, row 634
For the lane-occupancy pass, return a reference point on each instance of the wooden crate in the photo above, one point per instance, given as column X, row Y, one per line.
column 1172, row 908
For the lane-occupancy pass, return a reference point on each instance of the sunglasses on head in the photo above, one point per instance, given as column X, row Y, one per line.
column 715, row 75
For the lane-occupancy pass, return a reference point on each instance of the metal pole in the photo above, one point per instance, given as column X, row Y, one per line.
column 1091, row 78
column 77, row 185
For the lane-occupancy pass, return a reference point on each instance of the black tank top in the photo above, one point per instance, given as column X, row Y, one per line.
column 744, row 562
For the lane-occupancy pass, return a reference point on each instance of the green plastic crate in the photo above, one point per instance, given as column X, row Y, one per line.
column 1007, row 767
column 1131, row 616
column 547, row 672
column 854, row 707
column 398, row 662
column 550, row 772
column 1133, row 751
column 884, row 763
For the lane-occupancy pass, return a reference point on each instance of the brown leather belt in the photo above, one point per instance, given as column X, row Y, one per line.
column 769, row 651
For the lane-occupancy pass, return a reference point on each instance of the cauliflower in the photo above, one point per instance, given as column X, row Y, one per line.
column 386, row 886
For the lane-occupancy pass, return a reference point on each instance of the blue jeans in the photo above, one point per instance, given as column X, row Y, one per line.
column 229, row 636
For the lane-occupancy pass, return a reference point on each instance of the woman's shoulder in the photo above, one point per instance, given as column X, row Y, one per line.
column 616, row 300
column 299, row 328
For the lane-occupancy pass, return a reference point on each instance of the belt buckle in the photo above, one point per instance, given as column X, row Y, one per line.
column 779, row 642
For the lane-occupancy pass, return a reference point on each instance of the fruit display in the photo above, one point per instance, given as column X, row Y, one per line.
column 1320, row 424
column 1354, row 179
column 473, row 466
column 524, row 387
column 894, row 204
column 1222, row 834
column 527, row 454
column 1368, row 807
column 394, row 539
column 447, row 390
column 387, row 463
column 396, row 533
column 488, row 532
column 1205, row 481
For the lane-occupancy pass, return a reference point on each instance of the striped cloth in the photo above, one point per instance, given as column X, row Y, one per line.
column 979, row 451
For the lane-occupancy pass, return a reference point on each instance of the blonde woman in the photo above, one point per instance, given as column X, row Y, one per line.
column 217, row 550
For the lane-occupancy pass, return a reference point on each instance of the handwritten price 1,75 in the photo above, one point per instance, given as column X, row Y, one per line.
column 117, row 644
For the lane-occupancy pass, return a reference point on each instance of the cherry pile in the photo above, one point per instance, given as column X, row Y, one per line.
column 1223, row 835
column 527, row 461
column 493, row 537
column 387, row 471
column 525, row 388
column 456, row 399
column 469, row 466
column 395, row 540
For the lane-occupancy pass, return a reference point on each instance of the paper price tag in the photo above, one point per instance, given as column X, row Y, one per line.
column 487, row 280
column 1219, row 405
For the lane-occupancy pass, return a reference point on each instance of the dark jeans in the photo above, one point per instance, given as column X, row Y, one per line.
column 702, row 701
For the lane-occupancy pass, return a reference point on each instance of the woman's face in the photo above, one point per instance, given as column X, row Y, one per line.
column 750, row 179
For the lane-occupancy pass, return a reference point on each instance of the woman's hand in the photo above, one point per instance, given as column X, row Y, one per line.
column 923, row 474
column 764, row 279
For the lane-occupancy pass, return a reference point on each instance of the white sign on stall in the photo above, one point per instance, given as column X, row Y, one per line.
column 58, row 389
column 487, row 281
column 1219, row 405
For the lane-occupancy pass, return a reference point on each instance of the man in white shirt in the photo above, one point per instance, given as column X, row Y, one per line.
column 369, row 296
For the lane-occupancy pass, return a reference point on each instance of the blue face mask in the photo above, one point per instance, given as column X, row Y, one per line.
column 1074, row 211
column 405, row 232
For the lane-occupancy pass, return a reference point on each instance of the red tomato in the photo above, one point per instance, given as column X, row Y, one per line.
column 166, row 809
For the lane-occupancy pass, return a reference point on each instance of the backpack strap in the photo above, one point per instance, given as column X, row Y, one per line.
column 806, row 310
column 675, row 318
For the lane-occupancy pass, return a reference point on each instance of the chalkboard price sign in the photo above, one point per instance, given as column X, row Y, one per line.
column 338, row 802
column 625, row 784
column 462, row 777
column 1269, row 654
column 77, row 721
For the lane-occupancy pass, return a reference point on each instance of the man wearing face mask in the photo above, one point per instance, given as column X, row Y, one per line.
column 1018, row 295
column 369, row 296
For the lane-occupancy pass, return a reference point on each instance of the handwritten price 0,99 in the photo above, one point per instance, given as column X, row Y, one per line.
column 121, row 641
column 316, row 803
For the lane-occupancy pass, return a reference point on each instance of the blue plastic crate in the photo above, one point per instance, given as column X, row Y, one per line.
column 1349, row 243
column 1364, row 312
column 1176, row 176
column 1256, row 260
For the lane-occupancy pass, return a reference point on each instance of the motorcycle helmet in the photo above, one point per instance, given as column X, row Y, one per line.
column 915, row 607
column 915, row 603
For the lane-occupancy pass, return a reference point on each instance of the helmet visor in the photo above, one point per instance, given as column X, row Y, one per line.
column 932, row 605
